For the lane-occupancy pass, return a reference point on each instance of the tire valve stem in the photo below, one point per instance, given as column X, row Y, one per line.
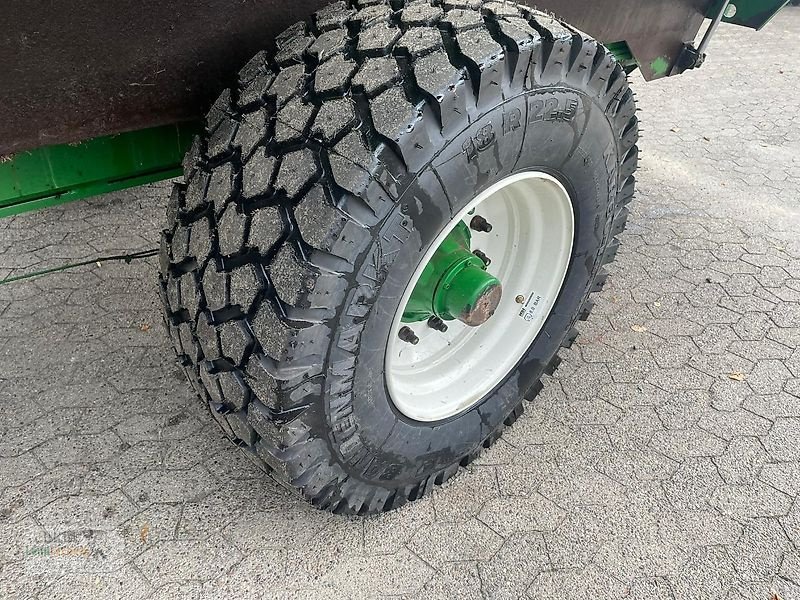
column 407, row 335
column 486, row 260
column 478, row 223
column 436, row 323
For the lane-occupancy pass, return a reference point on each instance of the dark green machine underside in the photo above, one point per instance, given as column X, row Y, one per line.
column 754, row 14
column 53, row 175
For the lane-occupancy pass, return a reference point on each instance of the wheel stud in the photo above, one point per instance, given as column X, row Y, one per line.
column 437, row 324
column 478, row 223
column 407, row 335
column 486, row 260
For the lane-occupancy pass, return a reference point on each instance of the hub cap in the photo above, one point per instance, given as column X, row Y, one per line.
column 454, row 284
column 493, row 313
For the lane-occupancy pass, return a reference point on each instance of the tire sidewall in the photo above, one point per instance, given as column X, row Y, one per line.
column 558, row 130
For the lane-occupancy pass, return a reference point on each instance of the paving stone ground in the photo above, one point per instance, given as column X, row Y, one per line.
column 661, row 462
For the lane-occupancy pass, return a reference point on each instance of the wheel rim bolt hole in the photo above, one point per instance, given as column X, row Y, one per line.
column 407, row 335
column 486, row 260
column 437, row 324
column 478, row 223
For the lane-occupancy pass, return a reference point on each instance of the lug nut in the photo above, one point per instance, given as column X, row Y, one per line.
column 478, row 223
column 486, row 260
column 407, row 335
column 437, row 324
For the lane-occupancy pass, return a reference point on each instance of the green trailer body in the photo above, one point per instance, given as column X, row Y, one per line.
column 142, row 130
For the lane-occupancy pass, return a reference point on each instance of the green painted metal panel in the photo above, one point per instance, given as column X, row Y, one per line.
column 623, row 53
column 56, row 174
column 750, row 13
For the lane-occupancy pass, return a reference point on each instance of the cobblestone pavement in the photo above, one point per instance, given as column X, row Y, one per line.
column 662, row 461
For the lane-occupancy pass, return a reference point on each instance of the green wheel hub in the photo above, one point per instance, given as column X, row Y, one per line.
column 454, row 285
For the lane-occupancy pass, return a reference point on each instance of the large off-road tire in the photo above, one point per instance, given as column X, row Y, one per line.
column 321, row 182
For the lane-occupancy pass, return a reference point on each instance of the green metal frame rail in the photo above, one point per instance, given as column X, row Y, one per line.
column 53, row 175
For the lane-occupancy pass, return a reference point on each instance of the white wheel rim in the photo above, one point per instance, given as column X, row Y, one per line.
column 530, row 246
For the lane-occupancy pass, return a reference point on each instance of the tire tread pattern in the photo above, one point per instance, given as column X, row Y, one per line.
column 277, row 177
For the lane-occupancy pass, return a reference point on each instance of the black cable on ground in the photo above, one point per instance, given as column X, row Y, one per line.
column 127, row 258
